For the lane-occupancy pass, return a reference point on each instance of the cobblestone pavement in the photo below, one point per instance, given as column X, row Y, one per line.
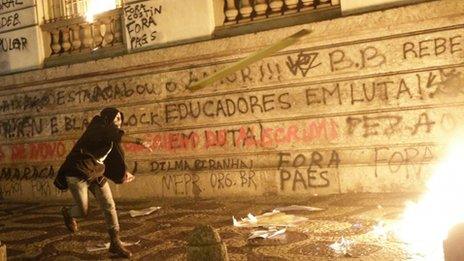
column 35, row 231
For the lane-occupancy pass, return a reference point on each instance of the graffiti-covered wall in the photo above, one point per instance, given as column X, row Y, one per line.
column 353, row 107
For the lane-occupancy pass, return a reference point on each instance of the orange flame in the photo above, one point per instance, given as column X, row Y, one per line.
column 425, row 224
column 98, row 6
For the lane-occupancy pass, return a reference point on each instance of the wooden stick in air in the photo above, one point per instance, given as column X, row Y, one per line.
column 250, row 59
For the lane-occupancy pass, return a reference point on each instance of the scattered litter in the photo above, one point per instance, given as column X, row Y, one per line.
column 269, row 219
column 143, row 212
column 297, row 208
column 270, row 233
column 357, row 226
column 252, row 218
column 379, row 230
column 165, row 225
column 105, row 246
column 341, row 246
column 385, row 231
column 98, row 247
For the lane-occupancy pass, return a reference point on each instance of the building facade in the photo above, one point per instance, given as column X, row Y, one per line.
column 365, row 103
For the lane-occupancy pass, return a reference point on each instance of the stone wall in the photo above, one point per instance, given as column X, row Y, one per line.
column 351, row 108
column 21, row 45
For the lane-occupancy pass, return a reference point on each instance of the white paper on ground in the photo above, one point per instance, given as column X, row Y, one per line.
column 341, row 246
column 380, row 230
column 252, row 218
column 269, row 219
column 297, row 208
column 235, row 222
column 104, row 246
column 99, row 247
column 143, row 212
column 272, row 232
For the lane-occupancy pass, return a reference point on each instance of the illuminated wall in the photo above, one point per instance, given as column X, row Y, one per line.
column 352, row 108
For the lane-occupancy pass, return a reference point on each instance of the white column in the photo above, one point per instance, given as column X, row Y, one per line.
column 307, row 4
column 245, row 10
column 231, row 12
column 76, row 37
column 291, row 6
column 260, row 9
column 276, row 6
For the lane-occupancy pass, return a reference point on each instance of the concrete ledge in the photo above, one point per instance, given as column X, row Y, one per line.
column 85, row 56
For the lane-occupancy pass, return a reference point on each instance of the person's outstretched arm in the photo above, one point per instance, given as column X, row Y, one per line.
column 129, row 139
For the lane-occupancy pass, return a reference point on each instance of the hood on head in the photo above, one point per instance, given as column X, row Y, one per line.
column 110, row 113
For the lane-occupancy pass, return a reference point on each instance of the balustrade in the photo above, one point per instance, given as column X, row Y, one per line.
column 241, row 11
column 75, row 35
column 71, row 34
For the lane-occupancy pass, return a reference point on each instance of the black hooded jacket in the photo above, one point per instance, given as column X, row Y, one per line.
column 100, row 137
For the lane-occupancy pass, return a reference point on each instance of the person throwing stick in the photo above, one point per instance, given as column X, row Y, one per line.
column 96, row 157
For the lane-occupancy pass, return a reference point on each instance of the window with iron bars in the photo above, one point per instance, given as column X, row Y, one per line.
column 63, row 9
column 75, row 7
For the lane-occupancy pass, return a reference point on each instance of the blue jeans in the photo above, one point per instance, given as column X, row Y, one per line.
column 79, row 189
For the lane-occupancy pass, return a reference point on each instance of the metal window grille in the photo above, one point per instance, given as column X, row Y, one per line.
column 70, row 8
column 75, row 7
